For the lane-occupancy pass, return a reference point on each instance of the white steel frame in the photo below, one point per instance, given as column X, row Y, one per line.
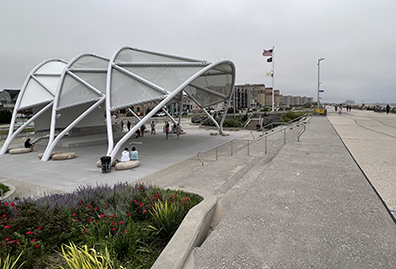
column 164, row 97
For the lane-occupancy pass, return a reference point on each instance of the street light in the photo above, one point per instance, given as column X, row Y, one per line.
column 320, row 59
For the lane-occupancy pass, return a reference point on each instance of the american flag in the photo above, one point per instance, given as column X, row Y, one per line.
column 267, row 52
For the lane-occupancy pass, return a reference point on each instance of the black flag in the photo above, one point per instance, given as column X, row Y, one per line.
column 269, row 60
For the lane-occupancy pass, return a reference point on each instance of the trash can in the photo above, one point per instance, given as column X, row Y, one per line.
column 106, row 164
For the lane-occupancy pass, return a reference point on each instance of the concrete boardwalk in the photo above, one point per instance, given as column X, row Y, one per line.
column 310, row 207
column 371, row 139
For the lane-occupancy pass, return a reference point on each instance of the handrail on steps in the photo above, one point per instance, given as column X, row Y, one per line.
column 302, row 121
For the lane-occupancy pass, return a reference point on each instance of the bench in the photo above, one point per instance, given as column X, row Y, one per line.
column 127, row 165
column 52, row 154
column 19, row 150
column 64, row 156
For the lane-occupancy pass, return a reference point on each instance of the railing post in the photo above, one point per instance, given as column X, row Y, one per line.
column 248, row 147
column 284, row 137
column 216, row 153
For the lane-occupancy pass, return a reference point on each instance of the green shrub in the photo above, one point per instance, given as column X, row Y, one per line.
column 166, row 218
column 113, row 219
column 5, row 116
column 7, row 262
column 82, row 258
column 4, row 188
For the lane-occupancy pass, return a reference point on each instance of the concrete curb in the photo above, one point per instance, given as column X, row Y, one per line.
column 191, row 233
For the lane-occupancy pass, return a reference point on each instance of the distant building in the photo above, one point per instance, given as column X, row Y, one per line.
column 8, row 98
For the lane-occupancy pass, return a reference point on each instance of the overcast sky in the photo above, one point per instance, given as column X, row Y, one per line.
column 357, row 38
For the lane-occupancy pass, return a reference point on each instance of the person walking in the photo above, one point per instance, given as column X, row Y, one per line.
column 166, row 129
column 122, row 126
column 152, row 127
column 387, row 109
column 129, row 125
column 178, row 129
column 142, row 128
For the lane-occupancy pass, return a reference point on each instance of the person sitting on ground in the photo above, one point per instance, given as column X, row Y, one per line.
column 134, row 154
column 28, row 144
column 125, row 155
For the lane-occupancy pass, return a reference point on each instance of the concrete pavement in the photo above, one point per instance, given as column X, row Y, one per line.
column 310, row 207
column 371, row 138
column 305, row 204
column 34, row 177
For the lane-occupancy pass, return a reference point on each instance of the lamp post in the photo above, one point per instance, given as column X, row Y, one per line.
column 320, row 59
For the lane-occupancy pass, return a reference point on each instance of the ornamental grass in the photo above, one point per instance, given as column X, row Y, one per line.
column 130, row 224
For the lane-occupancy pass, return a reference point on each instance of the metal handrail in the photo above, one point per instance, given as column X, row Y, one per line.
column 284, row 123
column 293, row 124
column 214, row 148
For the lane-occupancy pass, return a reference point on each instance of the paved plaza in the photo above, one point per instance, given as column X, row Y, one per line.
column 322, row 202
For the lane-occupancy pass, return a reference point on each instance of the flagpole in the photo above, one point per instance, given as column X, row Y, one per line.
column 273, row 77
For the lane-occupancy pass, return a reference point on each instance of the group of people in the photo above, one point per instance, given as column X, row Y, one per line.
column 127, row 155
column 339, row 109
column 176, row 129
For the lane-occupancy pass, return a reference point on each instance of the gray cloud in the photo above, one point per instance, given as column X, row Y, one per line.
column 356, row 38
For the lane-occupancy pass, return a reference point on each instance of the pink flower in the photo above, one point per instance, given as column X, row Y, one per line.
column 141, row 204
column 126, row 231
column 112, row 216
column 10, row 219
column 171, row 196
column 4, row 215
column 90, row 220
column 96, row 208
column 5, row 204
column 107, row 204
column 89, row 206
column 36, row 245
column 12, row 204
column 7, row 238
column 29, row 232
column 85, row 230
column 112, row 223
column 74, row 214
column 77, row 220
column 135, row 201
column 102, row 216
column 138, row 188
column 120, row 222
column 128, row 215
column 114, row 229
column 33, row 240
column 39, row 228
column 144, row 211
